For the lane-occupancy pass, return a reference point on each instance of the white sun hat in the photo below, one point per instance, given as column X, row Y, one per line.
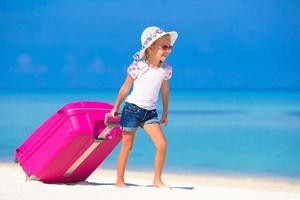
column 150, row 35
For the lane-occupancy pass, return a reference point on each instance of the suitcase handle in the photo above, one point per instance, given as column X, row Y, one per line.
column 112, row 121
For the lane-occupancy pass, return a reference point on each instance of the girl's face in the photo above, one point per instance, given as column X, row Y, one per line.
column 160, row 49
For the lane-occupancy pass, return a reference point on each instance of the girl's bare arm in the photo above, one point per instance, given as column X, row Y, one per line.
column 165, row 91
column 122, row 93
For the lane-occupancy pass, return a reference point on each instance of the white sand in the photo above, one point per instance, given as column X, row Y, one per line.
column 100, row 186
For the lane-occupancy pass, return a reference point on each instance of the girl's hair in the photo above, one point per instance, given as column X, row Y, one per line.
column 146, row 51
column 146, row 54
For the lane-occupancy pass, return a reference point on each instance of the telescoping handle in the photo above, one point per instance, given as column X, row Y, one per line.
column 112, row 121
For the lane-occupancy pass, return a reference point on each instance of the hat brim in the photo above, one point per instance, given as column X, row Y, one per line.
column 173, row 36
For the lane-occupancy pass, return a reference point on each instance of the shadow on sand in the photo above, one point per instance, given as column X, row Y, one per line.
column 89, row 183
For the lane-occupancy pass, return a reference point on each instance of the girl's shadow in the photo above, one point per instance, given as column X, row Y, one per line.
column 88, row 183
column 128, row 184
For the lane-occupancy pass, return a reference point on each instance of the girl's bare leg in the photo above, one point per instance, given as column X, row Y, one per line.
column 127, row 142
column 155, row 133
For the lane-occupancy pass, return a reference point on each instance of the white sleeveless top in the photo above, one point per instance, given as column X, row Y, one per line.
column 147, row 83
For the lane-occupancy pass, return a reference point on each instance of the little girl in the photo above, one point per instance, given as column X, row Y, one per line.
column 148, row 73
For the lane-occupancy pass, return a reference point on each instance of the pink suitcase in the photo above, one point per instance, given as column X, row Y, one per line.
column 71, row 144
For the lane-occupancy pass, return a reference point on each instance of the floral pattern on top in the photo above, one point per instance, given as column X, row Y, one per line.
column 136, row 67
column 140, row 67
column 168, row 71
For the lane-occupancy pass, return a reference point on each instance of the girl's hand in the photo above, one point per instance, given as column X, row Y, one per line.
column 164, row 120
column 114, row 112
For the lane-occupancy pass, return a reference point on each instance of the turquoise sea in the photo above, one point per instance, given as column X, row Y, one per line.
column 248, row 133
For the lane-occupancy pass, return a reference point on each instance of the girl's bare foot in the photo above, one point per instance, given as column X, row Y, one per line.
column 158, row 183
column 121, row 184
column 161, row 185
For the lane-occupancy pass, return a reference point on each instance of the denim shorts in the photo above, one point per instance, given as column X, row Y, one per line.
column 134, row 116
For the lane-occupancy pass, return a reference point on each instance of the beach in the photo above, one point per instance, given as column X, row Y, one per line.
column 100, row 185
column 241, row 145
